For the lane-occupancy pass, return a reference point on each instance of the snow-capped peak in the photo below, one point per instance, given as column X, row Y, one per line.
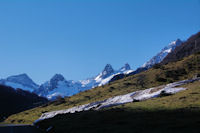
column 171, row 46
column 164, row 52
column 19, row 77
column 125, row 67
column 58, row 86
column 57, row 77
column 108, row 73
column 177, row 41
column 107, row 70
column 22, row 81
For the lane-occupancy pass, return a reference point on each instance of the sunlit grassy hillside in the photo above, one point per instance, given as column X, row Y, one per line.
column 178, row 113
column 158, row 75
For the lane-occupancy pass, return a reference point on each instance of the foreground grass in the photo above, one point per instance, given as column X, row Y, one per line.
column 179, row 113
column 156, row 76
column 123, row 121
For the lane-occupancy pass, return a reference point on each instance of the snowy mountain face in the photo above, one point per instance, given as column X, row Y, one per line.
column 160, row 56
column 126, row 67
column 21, row 81
column 108, row 73
column 59, row 86
column 54, row 82
column 108, row 70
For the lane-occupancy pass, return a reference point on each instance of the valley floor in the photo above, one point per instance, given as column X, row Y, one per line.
column 19, row 129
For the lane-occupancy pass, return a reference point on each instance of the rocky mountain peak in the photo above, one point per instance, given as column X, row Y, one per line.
column 57, row 77
column 161, row 55
column 20, row 76
column 125, row 67
column 176, row 42
column 108, row 70
column 22, row 79
column 171, row 46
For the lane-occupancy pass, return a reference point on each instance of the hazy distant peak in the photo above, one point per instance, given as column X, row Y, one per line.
column 58, row 77
column 125, row 67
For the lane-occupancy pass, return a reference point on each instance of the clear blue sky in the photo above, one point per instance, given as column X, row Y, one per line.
column 78, row 38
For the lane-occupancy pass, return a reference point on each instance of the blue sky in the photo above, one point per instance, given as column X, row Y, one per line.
column 78, row 38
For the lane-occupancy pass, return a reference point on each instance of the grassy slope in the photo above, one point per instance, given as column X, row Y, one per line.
column 179, row 113
column 188, row 99
column 159, row 75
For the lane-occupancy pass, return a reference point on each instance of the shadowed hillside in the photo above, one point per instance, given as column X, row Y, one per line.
column 14, row 101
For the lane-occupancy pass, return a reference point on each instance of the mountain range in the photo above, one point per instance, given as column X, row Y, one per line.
column 124, row 105
column 59, row 86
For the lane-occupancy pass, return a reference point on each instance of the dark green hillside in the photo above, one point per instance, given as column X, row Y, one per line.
column 14, row 101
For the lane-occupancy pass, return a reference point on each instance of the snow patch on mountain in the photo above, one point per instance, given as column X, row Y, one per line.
column 59, row 86
column 108, row 73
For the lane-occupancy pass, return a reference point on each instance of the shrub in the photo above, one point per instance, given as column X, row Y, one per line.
column 87, row 97
column 157, row 66
column 175, row 74
column 112, row 88
column 127, row 84
column 59, row 101
column 161, row 79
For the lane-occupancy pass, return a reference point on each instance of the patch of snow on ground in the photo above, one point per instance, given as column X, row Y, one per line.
column 173, row 90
